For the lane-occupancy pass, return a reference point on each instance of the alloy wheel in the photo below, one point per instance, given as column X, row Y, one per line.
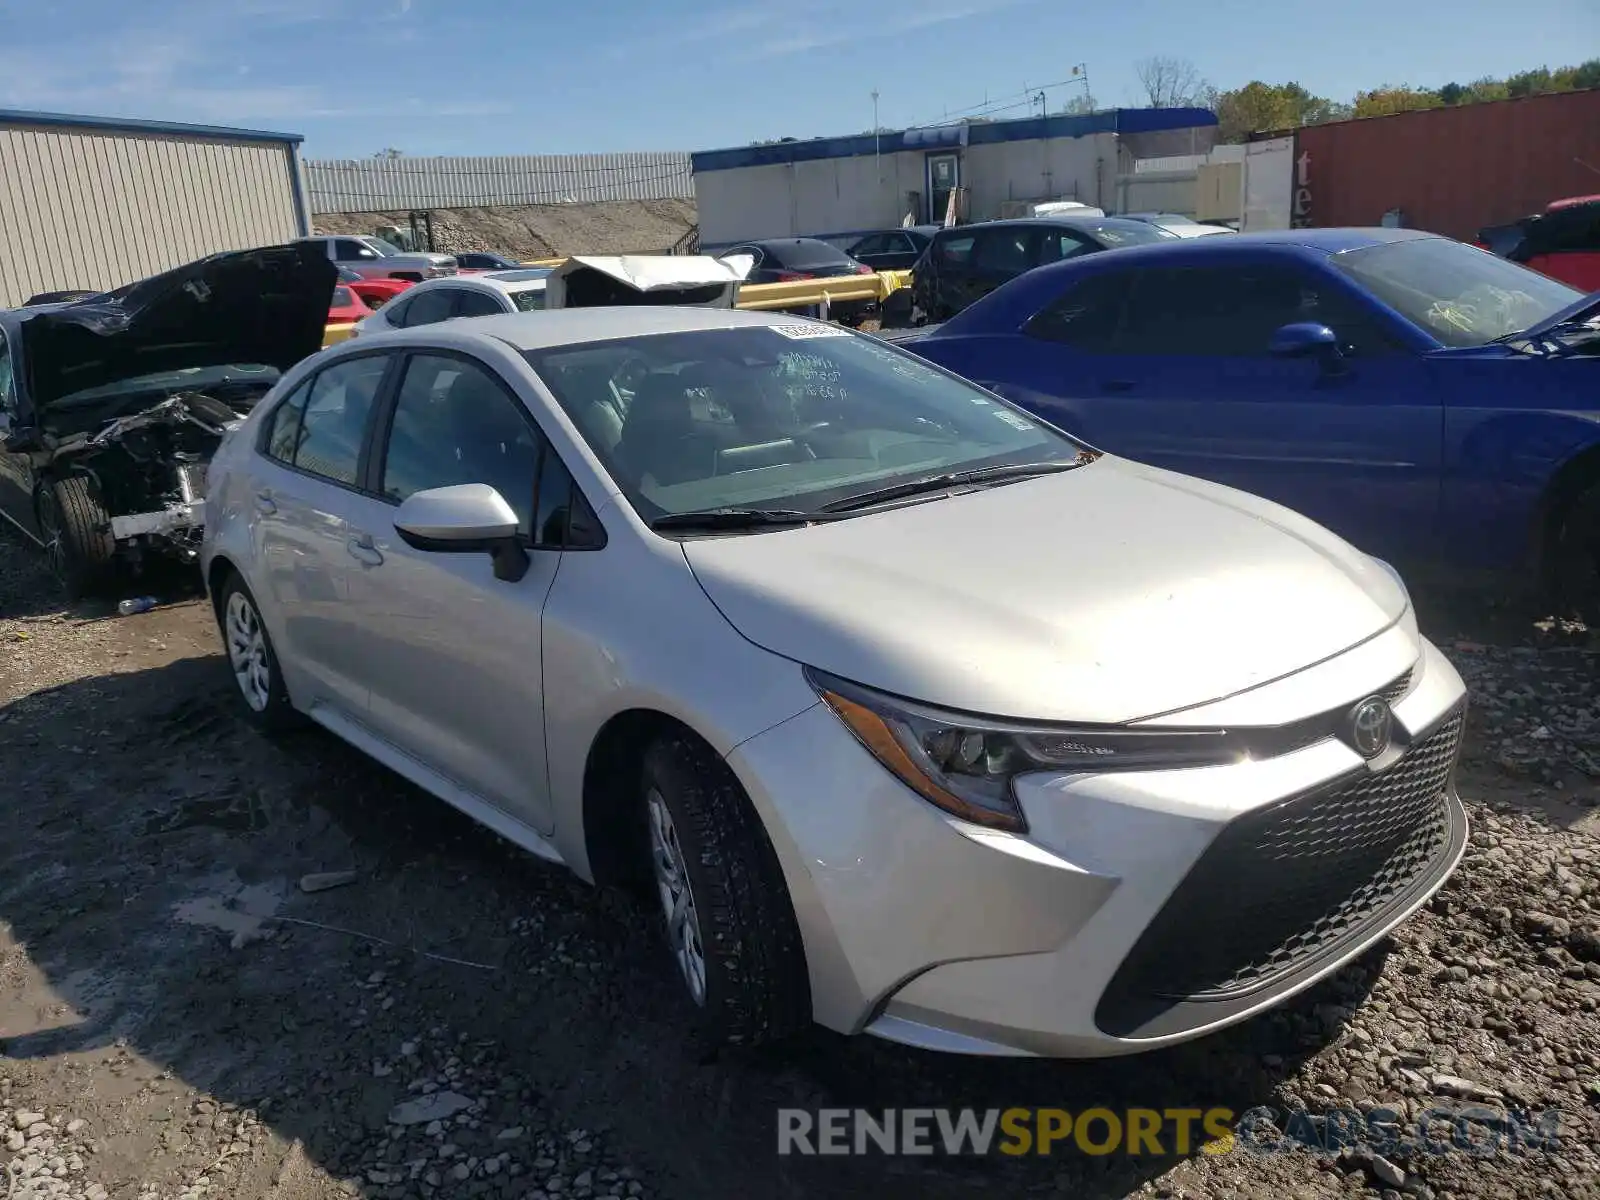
column 55, row 549
column 677, row 896
column 247, row 651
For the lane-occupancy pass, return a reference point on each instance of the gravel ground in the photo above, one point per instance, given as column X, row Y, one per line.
column 234, row 969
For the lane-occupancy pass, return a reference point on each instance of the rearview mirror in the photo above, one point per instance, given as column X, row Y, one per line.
column 465, row 518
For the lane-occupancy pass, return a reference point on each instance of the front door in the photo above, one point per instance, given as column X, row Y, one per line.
column 1183, row 380
column 944, row 177
column 451, row 654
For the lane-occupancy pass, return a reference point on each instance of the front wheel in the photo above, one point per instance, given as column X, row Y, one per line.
column 729, row 924
column 76, row 532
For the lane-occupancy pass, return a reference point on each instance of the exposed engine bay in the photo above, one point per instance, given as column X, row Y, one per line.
column 146, row 452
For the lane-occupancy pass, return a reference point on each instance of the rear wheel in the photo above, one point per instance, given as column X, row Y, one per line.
column 76, row 532
column 252, row 660
column 729, row 925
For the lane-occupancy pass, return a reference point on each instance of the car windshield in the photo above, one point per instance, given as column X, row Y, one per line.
column 1461, row 295
column 791, row 416
column 1126, row 233
column 383, row 247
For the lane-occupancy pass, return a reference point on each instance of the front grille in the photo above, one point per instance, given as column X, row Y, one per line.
column 1287, row 884
column 1398, row 688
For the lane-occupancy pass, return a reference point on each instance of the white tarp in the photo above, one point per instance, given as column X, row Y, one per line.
column 657, row 275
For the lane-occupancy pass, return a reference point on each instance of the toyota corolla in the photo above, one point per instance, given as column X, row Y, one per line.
column 910, row 713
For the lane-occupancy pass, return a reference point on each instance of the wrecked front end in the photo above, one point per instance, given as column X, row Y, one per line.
column 145, row 455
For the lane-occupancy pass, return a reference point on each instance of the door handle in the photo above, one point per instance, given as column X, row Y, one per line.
column 265, row 504
column 1116, row 385
column 363, row 551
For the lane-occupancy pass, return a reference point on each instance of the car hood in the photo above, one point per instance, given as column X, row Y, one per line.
column 1110, row 593
column 266, row 306
column 1586, row 308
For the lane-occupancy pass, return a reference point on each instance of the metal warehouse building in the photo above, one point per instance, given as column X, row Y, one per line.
column 94, row 203
column 829, row 187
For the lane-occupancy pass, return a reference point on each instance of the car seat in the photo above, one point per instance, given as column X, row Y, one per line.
column 493, row 444
column 661, row 439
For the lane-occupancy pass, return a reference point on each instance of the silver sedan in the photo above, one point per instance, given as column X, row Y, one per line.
column 912, row 715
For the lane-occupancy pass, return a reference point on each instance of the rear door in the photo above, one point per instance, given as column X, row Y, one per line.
column 16, row 476
column 306, row 477
column 1000, row 254
column 943, row 280
column 1171, row 367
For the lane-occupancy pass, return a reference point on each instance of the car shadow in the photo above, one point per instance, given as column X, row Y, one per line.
column 28, row 591
column 152, row 876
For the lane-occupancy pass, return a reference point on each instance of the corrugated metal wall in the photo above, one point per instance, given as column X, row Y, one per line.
column 385, row 184
column 1453, row 170
column 97, row 209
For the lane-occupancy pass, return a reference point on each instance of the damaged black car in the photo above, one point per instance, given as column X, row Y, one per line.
column 112, row 406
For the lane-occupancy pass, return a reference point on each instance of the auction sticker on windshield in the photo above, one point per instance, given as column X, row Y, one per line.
column 800, row 332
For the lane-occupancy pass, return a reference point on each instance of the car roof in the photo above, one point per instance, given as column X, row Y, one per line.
column 1048, row 219
column 551, row 328
column 489, row 281
column 766, row 243
column 1319, row 242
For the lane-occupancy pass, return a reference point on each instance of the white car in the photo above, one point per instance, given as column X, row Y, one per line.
column 1178, row 224
column 913, row 715
column 435, row 300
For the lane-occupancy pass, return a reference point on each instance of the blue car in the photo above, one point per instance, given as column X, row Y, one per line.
column 1423, row 398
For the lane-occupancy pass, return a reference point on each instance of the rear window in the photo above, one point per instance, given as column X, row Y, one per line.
column 528, row 299
column 808, row 252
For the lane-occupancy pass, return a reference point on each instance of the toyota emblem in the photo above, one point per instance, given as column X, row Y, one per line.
column 1371, row 725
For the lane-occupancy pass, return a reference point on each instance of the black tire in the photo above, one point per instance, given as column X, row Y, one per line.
column 1574, row 559
column 756, row 989
column 76, row 532
column 274, row 714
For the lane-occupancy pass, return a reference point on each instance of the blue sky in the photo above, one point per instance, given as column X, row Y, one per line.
column 520, row 77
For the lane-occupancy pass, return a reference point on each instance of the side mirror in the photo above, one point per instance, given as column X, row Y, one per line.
column 467, row 518
column 1307, row 339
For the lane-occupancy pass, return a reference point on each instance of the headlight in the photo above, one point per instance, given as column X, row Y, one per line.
column 966, row 764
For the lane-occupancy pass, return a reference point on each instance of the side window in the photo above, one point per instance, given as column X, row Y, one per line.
column 477, row 304
column 1058, row 244
column 954, row 251
column 1232, row 313
column 1002, row 251
column 395, row 311
column 1086, row 315
column 877, row 243
column 283, row 426
column 350, row 250
column 334, row 424
column 429, row 307
column 455, row 423
column 7, row 380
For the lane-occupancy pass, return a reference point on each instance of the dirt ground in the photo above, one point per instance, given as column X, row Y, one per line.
column 542, row 231
column 178, row 1018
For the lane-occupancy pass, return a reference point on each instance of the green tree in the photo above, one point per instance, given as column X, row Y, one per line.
column 1258, row 107
column 1388, row 100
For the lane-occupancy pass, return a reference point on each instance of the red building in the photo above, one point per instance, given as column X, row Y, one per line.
column 1450, row 170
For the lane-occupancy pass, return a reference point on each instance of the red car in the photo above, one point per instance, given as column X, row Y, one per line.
column 1562, row 242
column 347, row 307
column 374, row 293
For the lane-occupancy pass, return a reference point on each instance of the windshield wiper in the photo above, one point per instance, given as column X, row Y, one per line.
column 1572, row 325
column 939, row 483
column 733, row 518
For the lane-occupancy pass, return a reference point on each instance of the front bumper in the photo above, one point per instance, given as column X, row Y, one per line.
column 1141, row 909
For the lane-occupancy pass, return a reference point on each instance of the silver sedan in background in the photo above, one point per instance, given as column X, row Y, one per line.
column 912, row 715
